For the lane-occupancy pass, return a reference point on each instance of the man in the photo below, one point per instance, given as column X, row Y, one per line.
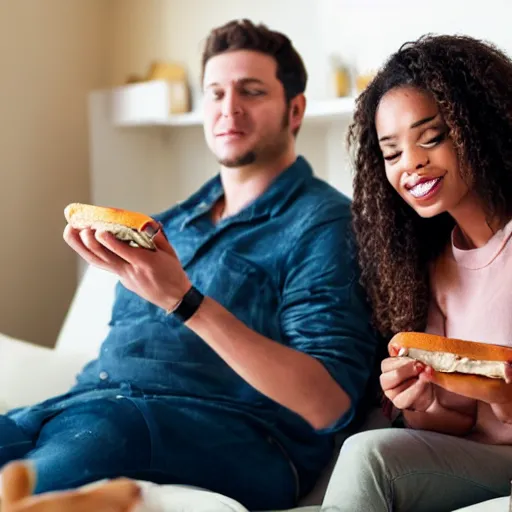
column 243, row 343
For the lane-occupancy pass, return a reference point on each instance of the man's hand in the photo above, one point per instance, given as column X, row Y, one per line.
column 18, row 482
column 156, row 276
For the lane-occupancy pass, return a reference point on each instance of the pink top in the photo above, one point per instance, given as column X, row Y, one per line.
column 472, row 300
column 472, row 291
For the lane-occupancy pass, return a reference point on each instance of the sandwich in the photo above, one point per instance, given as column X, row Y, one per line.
column 137, row 229
column 465, row 367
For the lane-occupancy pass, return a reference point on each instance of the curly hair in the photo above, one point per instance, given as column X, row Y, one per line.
column 470, row 81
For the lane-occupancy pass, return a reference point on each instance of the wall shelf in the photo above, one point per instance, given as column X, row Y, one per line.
column 149, row 104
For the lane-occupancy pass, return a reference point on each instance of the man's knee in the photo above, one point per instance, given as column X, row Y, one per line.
column 91, row 441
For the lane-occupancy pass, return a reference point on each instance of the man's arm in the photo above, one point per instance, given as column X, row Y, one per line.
column 290, row 377
column 329, row 350
column 321, row 371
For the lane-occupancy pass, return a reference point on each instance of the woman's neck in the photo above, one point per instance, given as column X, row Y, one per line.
column 475, row 228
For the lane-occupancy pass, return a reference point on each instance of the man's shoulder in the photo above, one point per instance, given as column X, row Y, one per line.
column 319, row 202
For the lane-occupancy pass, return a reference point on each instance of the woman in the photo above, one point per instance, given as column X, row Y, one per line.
column 432, row 215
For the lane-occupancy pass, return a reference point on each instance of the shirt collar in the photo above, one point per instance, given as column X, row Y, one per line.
column 271, row 202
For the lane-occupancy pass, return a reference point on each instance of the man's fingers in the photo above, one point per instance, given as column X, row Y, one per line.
column 18, row 481
column 162, row 243
column 75, row 239
column 89, row 240
column 122, row 250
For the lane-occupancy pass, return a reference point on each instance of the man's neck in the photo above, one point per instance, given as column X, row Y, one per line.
column 243, row 185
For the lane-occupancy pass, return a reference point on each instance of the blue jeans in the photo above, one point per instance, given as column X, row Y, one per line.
column 403, row 469
column 80, row 438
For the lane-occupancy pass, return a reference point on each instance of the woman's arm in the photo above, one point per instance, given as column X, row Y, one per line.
column 439, row 418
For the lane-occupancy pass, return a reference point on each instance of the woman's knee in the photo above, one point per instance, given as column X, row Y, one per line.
column 370, row 452
column 370, row 443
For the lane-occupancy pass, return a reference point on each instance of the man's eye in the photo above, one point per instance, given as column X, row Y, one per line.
column 253, row 92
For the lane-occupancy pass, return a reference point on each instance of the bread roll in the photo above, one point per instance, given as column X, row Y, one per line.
column 135, row 228
column 465, row 367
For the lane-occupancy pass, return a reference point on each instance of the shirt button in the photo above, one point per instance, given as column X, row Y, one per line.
column 119, row 396
column 103, row 375
column 203, row 205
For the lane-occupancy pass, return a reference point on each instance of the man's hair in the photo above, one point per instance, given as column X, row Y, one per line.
column 245, row 35
column 470, row 81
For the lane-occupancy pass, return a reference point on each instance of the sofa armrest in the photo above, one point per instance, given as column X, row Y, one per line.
column 494, row 505
column 30, row 373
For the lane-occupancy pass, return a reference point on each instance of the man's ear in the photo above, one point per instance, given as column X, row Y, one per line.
column 297, row 110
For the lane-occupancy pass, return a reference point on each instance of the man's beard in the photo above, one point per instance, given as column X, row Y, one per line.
column 251, row 156
column 239, row 161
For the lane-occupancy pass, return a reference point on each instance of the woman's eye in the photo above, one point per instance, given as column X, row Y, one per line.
column 389, row 158
column 433, row 142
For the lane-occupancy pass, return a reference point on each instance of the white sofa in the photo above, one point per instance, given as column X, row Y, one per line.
column 30, row 373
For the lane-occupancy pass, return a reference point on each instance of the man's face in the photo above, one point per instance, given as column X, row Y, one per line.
column 246, row 119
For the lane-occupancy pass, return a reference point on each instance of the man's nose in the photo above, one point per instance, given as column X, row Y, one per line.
column 231, row 105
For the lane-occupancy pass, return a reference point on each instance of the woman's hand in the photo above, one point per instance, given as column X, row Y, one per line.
column 403, row 382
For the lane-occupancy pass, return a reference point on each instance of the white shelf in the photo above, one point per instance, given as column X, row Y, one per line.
column 148, row 104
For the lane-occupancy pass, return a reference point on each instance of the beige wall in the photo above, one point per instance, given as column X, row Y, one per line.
column 52, row 53
column 176, row 29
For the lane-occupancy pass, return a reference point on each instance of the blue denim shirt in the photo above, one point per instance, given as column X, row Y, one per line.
column 285, row 267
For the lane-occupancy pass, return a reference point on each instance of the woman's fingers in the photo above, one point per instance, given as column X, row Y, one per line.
column 396, row 370
column 413, row 394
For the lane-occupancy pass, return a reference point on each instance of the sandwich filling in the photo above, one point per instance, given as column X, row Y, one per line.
column 132, row 236
column 452, row 363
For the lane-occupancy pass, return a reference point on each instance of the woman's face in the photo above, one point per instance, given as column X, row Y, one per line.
column 420, row 159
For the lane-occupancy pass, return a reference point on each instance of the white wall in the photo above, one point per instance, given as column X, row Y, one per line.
column 362, row 32
column 52, row 55
column 365, row 32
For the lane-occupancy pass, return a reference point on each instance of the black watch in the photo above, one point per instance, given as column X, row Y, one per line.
column 188, row 305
